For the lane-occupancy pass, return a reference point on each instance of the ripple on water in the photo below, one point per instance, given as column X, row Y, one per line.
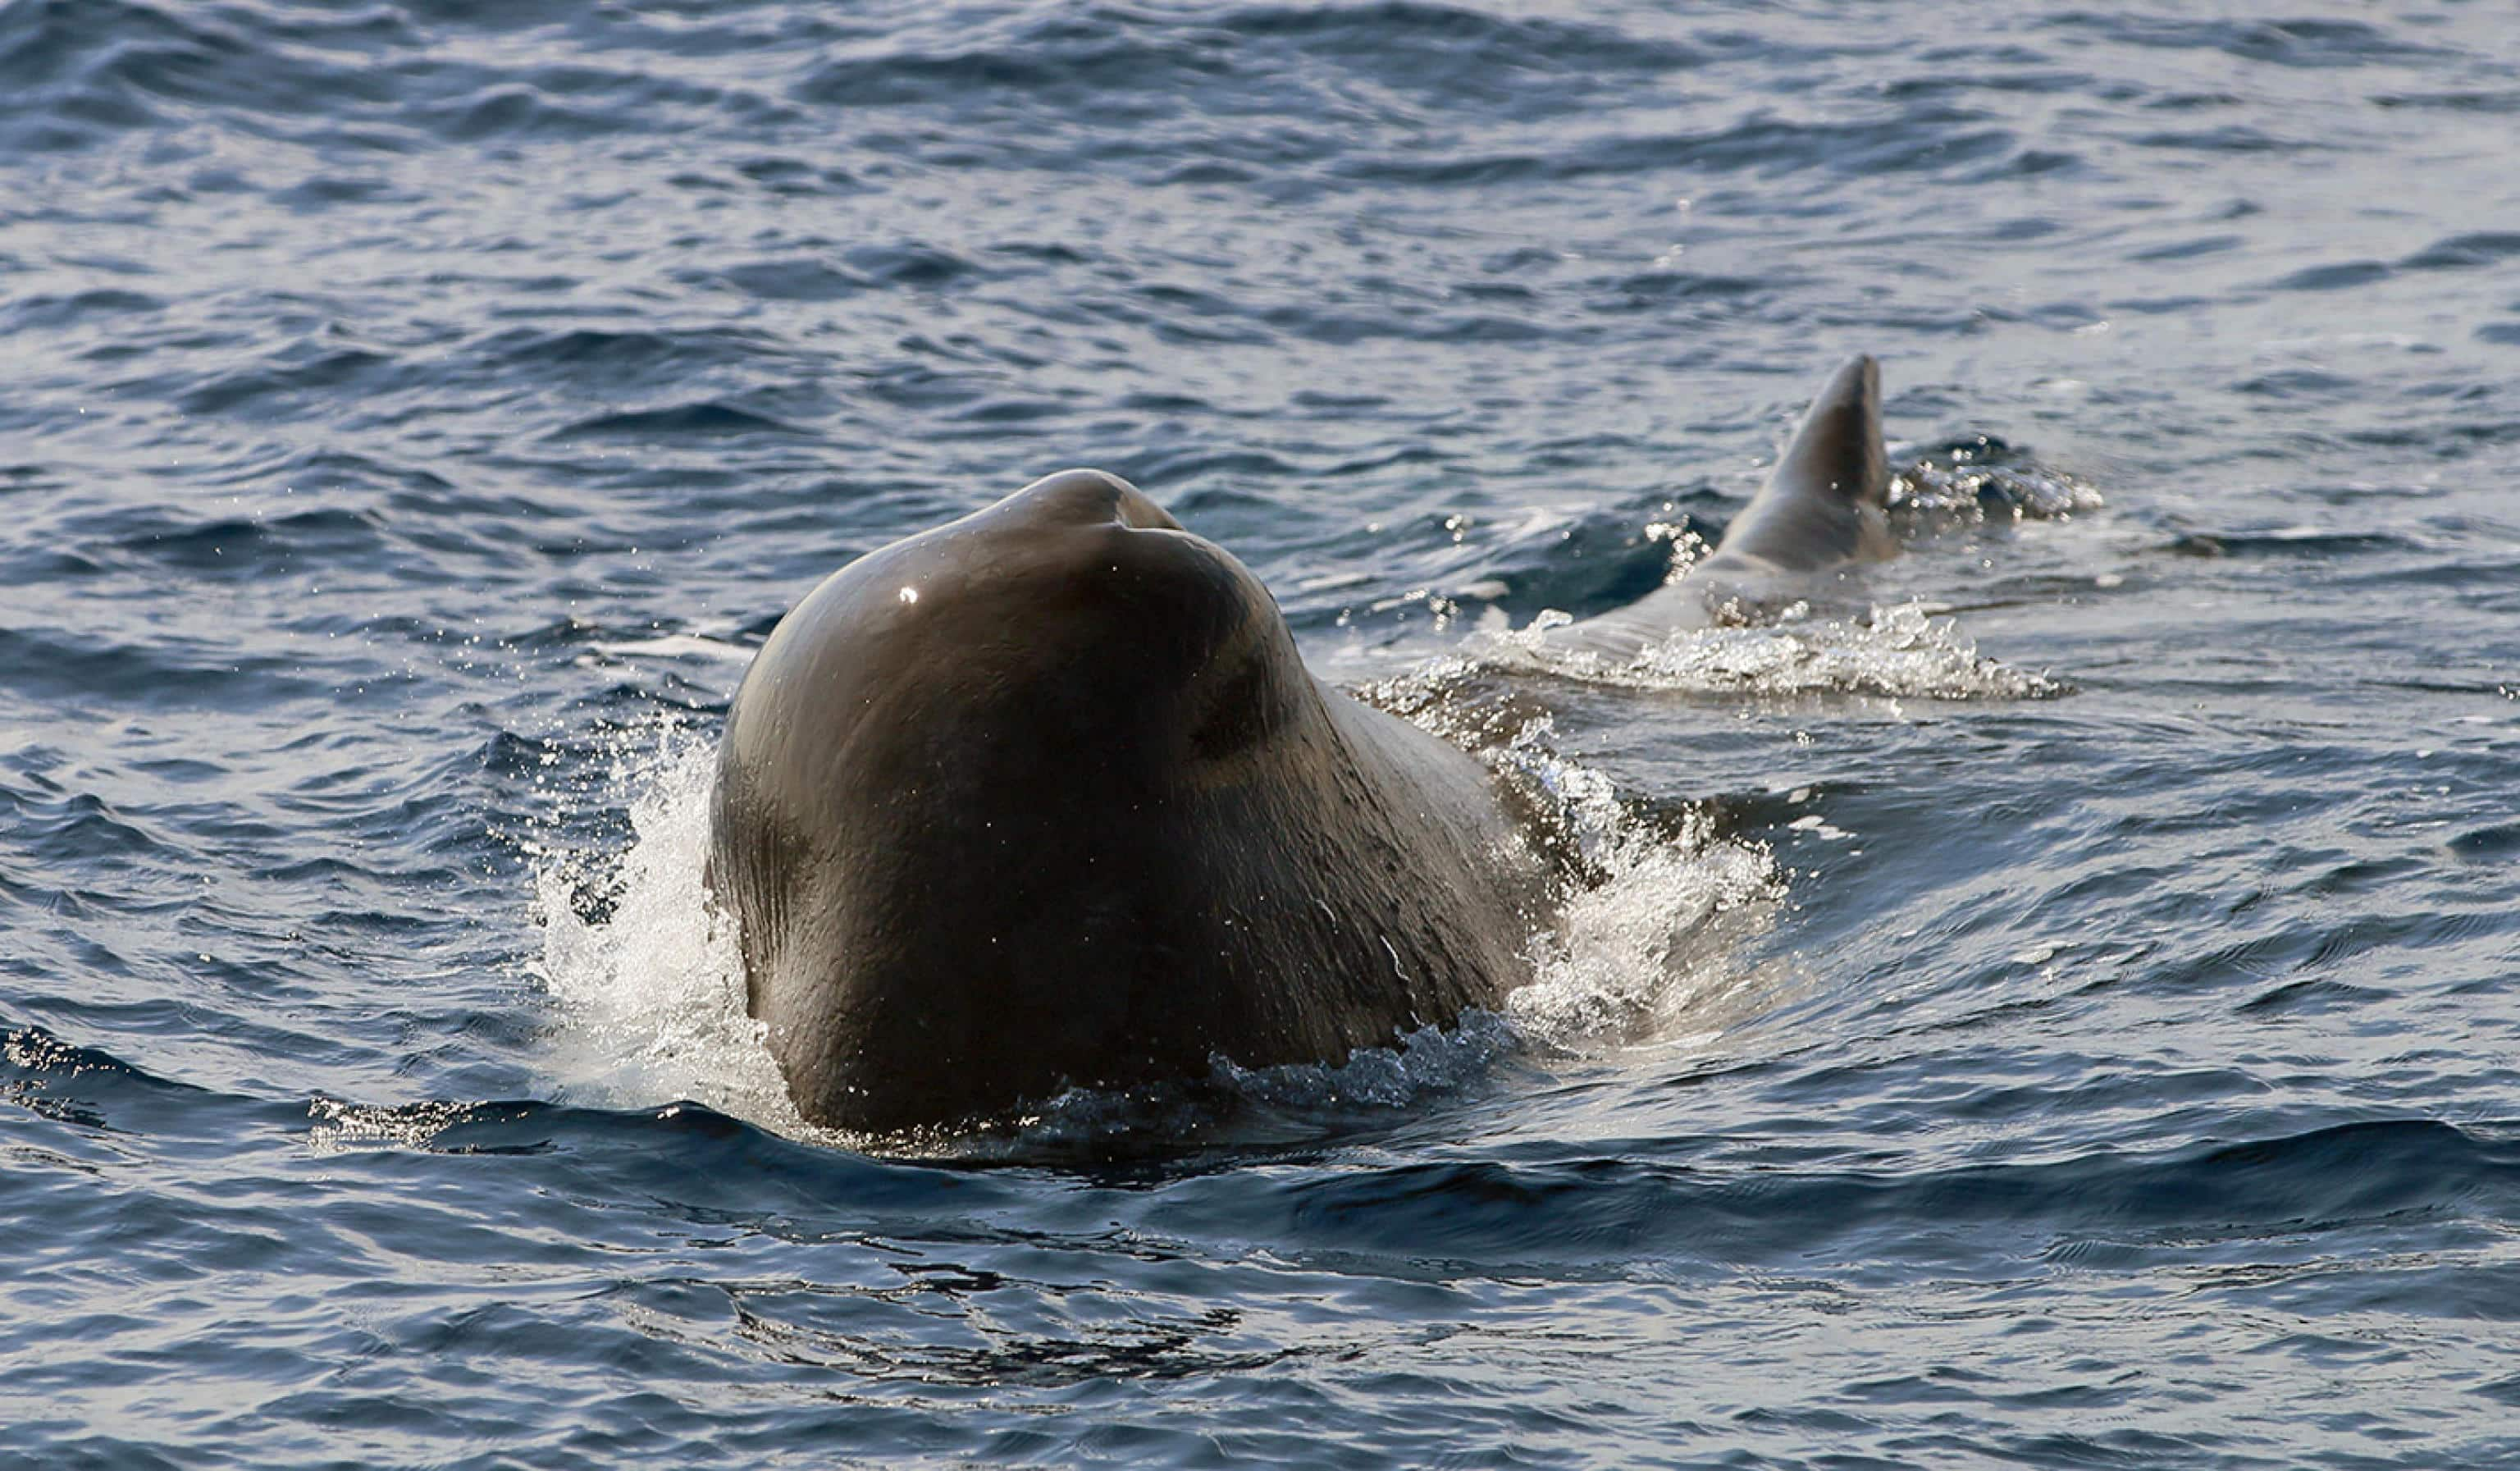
column 418, row 411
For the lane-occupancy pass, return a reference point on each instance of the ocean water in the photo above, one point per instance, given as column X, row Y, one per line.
column 2054, row 1010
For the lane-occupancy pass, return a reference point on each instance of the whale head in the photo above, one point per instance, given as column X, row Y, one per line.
column 981, row 761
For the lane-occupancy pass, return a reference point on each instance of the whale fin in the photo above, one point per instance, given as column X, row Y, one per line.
column 1823, row 503
column 1820, row 508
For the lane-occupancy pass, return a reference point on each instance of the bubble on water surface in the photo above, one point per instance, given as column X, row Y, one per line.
column 1899, row 652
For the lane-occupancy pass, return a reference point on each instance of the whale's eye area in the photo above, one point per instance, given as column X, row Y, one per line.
column 1240, row 711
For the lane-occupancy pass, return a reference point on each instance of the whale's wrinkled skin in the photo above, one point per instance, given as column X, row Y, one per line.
column 1046, row 798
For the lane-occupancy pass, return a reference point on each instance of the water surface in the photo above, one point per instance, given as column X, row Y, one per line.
column 2052, row 1014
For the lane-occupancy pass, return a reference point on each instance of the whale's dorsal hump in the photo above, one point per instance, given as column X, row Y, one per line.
column 1823, row 503
column 1836, row 450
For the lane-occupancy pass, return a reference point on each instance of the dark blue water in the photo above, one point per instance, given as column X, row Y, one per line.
column 2060, row 1014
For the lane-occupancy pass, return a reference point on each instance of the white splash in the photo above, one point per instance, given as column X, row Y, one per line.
column 650, row 996
column 1899, row 652
column 1977, row 483
column 1639, row 951
column 340, row 1127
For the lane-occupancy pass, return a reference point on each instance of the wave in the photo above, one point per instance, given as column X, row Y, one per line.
column 2175, row 1206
